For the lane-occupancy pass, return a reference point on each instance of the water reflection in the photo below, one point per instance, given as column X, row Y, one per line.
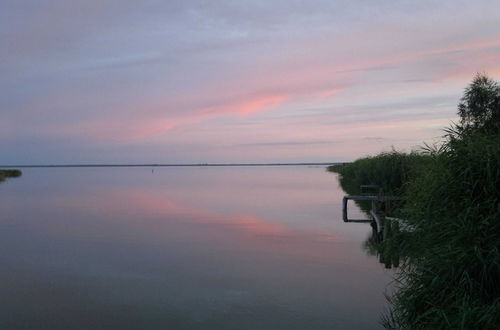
column 386, row 239
column 385, row 245
column 218, row 248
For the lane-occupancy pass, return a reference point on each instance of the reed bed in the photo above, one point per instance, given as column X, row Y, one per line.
column 4, row 174
column 449, row 264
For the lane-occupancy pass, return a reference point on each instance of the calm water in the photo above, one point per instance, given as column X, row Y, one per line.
column 183, row 248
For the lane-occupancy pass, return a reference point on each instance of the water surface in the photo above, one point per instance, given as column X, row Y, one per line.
column 183, row 248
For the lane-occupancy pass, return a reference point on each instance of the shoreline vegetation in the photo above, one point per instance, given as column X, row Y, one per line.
column 178, row 165
column 9, row 173
column 449, row 265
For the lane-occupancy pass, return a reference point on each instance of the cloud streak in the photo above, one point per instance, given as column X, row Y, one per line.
column 101, row 75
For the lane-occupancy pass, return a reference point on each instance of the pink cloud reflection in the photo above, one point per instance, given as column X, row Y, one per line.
column 140, row 205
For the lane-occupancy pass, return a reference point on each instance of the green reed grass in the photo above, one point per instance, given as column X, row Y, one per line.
column 4, row 174
column 389, row 170
column 449, row 263
column 452, row 259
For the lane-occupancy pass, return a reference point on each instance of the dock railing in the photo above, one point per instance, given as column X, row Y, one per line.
column 380, row 206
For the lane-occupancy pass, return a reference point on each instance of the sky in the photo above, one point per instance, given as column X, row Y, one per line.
column 150, row 81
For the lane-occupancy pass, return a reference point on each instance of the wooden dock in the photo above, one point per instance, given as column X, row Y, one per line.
column 380, row 208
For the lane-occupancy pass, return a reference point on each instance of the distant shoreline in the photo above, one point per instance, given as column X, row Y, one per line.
column 10, row 173
column 175, row 165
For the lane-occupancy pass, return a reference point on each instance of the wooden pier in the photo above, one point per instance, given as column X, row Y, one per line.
column 380, row 208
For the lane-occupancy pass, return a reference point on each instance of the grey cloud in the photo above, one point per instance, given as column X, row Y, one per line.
column 286, row 143
column 422, row 107
column 370, row 68
column 67, row 62
column 374, row 138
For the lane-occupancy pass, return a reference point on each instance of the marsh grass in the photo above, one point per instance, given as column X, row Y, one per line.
column 450, row 275
column 389, row 170
column 4, row 174
column 449, row 264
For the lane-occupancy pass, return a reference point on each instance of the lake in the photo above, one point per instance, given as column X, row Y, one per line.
column 184, row 248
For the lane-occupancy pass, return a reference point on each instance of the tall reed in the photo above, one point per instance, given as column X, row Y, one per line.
column 4, row 174
column 449, row 279
column 449, row 263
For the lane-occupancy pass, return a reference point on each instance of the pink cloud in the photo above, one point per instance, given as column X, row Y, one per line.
column 331, row 92
column 154, row 119
column 248, row 106
column 124, row 130
column 262, row 103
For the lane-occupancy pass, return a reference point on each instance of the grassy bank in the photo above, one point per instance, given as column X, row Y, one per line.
column 452, row 259
column 391, row 171
column 4, row 174
column 450, row 264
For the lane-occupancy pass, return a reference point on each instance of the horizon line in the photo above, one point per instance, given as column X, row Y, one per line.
column 173, row 165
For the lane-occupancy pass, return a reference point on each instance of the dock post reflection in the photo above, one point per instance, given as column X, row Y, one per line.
column 384, row 240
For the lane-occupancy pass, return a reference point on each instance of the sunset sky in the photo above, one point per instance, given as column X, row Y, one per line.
column 121, row 81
